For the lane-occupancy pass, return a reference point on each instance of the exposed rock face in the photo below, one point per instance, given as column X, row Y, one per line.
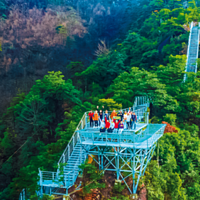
column 169, row 128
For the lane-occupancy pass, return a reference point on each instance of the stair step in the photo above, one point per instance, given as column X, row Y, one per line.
column 74, row 170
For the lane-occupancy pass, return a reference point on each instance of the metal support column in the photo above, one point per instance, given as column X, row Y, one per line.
column 117, row 162
column 134, row 167
column 102, row 161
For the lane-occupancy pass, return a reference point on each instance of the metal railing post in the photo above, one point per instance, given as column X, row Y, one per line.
column 85, row 121
column 65, row 180
column 68, row 151
column 63, row 157
column 40, row 177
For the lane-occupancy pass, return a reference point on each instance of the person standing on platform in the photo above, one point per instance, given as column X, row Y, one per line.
column 96, row 118
column 113, row 114
column 125, row 119
column 128, row 120
column 107, row 124
column 91, row 116
column 134, row 119
column 106, row 115
column 102, row 124
column 112, row 126
column 116, row 124
column 121, row 127
column 120, row 114
column 101, row 115
column 129, row 111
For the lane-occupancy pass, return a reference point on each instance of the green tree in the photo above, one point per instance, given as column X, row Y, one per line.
column 91, row 177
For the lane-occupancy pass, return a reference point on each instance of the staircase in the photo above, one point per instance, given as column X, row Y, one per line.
column 77, row 157
column 193, row 49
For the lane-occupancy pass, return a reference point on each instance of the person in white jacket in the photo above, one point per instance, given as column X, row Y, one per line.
column 102, row 124
column 129, row 120
column 125, row 119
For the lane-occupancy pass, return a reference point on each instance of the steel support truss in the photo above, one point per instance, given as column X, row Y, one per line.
column 126, row 162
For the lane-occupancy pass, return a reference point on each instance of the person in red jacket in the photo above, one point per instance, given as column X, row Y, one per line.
column 107, row 124
column 116, row 124
column 91, row 115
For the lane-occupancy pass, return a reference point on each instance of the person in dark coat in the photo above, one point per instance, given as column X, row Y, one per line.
column 134, row 119
column 120, row 114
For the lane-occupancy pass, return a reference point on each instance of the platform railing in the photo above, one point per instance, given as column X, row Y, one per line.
column 72, row 143
column 85, row 121
column 22, row 195
column 188, row 50
column 148, row 135
column 140, row 101
column 154, row 137
column 61, row 179
column 197, row 48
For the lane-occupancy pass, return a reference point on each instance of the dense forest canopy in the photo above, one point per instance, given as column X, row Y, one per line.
column 61, row 58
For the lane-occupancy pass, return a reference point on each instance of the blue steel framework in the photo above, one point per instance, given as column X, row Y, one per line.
column 126, row 153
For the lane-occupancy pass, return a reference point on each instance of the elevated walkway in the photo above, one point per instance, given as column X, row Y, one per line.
column 134, row 148
column 193, row 49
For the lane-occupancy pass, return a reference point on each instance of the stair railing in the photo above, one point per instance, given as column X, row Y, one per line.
column 188, row 50
column 72, row 143
column 22, row 195
column 56, row 179
column 197, row 49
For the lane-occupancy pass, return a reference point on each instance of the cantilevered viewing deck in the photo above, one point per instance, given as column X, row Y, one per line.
column 144, row 136
column 133, row 150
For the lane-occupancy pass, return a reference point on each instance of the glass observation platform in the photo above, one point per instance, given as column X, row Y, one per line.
column 144, row 136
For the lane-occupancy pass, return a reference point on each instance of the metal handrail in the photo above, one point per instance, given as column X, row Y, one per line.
column 72, row 138
column 54, row 176
column 197, row 49
column 126, row 136
column 188, row 50
column 22, row 195
column 83, row 122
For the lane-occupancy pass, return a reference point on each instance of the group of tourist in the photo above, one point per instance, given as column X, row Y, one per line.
column 120, row 120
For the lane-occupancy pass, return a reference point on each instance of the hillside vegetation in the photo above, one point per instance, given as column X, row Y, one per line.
column 147, row 59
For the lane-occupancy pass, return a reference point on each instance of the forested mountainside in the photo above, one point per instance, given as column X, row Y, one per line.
column 62, row 58
column 41, row 36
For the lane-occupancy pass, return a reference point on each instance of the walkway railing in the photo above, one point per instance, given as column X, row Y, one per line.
column 85, row 122
column 141, row 101
column 59, row 179
column 197, row 48
column 188, row 49
column 72, row 143
column 126, row 137
column 192, row 50
column 22, row 195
